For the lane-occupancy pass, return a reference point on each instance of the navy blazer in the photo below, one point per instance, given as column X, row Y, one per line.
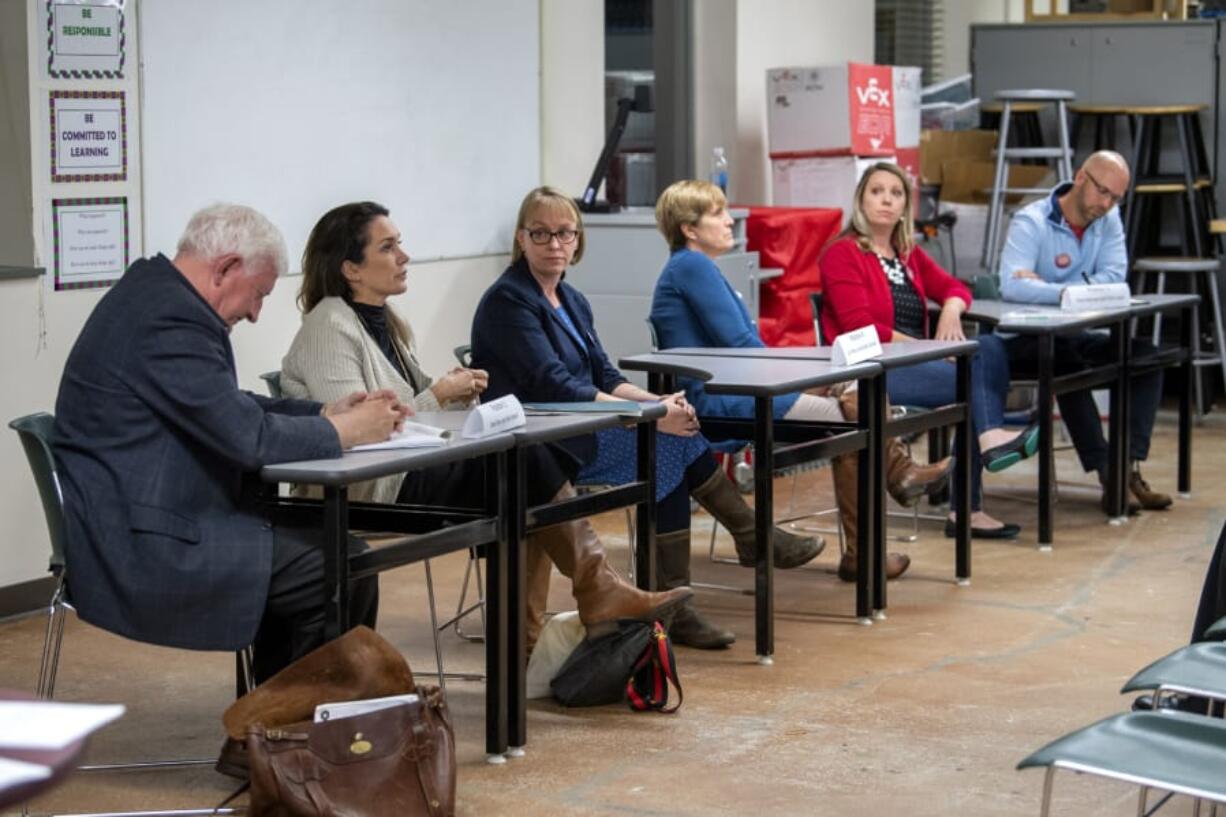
column 158, row 448
column 528, row 351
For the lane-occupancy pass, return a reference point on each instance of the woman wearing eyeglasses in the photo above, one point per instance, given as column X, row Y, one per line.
column 535, row 335
column 352, row 339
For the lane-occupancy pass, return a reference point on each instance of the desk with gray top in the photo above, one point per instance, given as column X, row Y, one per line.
column 505, row 518
column 894, row 356
column 764, row 380
column 1049, row 322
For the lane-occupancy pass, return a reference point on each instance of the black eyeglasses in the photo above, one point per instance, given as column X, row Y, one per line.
column 543, row 237
column 1103, row 190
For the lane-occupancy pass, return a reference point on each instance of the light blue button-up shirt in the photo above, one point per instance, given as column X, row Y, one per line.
column 1040, row 240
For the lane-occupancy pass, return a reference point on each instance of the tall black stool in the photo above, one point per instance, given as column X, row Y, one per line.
column 1025, row 130
column 1190, row 183
column 1104, row 119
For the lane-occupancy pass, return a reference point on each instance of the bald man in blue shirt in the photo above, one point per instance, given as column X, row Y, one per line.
column 1074, row 237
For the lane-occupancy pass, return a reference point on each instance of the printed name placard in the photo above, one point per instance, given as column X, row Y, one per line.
column 498, row 415
column 90, row 241
column 1096, row 298
column 89, row 141
column 855, row 347
column 85, row 40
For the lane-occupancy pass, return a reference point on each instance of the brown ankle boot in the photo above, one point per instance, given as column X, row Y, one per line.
column 601, row 595
column 905, row 479
column 721, row 499
column 536, row 598
column 846, row 472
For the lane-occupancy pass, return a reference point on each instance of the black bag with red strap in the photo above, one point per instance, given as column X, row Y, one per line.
column 634, row 663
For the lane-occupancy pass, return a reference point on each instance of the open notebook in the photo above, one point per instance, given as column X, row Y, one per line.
column 410, row 435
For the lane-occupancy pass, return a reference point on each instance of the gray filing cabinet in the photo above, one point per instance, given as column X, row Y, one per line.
column 623, row 256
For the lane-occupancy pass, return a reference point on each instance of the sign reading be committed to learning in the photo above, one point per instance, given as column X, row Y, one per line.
column 85, row 40
column 89, row 141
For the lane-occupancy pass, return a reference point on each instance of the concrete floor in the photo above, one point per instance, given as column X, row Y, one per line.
column 925, row 713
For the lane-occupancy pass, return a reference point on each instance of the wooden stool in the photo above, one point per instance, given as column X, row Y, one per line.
column 1190, row 182
column 1063, row 156
column 1103, row 117
column 1202, row 274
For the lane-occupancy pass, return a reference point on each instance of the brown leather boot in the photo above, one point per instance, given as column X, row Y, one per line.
column 536, row 598
column 688, row 628
column 721, row 499
column 601, row 595
column 845, row 470
column 905, row 479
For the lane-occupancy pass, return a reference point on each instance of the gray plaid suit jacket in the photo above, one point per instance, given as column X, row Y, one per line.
column 158, row 450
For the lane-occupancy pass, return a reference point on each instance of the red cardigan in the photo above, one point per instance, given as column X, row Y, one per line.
column 856, row 293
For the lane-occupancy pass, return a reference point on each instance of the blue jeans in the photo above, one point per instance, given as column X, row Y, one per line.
column 933, row 384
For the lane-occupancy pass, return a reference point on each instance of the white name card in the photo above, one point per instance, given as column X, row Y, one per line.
column 1096, row 297
column 490, row 418
column 855, row 347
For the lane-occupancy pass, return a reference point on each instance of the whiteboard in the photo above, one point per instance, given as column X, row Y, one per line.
column 429, row 107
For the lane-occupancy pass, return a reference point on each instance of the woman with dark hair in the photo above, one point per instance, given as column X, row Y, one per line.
column 873, row 274
column 536, row 336
column 351, row 339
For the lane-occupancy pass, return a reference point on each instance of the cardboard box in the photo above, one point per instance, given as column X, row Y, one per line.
column 853, row 108
column 961, row 163
column 819, row 181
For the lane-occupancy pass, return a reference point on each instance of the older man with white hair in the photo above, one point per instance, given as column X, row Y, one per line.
column 159, row 451
column 1074, row 236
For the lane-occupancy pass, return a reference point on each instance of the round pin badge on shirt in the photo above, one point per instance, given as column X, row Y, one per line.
column 1063, row 260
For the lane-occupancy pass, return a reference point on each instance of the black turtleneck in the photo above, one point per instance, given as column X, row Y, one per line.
column 374, row 318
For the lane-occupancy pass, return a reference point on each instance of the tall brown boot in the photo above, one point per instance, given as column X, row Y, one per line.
column 601, row 595
column 845, row 470
column 721, row 499
column 688, row 628
column 536, row 580
column 905, row 479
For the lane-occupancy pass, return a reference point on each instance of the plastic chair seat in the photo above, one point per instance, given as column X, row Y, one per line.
column 1197, row 669
column 1173, row 751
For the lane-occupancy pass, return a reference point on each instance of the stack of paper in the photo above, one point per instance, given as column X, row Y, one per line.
column 410, row 435
column 45, row 726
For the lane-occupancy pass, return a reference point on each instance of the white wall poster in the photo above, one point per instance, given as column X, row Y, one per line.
column 89, row 136
column 90, row 241
column 85, row 40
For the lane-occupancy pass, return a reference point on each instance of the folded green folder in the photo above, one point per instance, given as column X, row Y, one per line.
column 628, row 407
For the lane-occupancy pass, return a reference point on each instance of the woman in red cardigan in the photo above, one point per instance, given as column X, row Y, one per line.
column 873, row 274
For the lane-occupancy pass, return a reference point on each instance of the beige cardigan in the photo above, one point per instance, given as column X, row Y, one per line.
column 332, row 356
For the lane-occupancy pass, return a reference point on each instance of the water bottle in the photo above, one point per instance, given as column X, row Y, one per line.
column 719, row 170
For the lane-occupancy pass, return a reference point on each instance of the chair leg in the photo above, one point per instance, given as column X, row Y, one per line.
column 56, row 614
column 438, row 649
column 1141, row 798
column 1045, row 808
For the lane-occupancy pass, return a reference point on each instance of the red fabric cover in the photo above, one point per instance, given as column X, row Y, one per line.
column 789, row 238
column 857, row 293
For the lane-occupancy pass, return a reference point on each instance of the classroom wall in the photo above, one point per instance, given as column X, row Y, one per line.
column 960, row 15
column 39, row 326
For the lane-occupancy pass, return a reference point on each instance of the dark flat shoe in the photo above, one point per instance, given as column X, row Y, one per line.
column 1005, row 531
column 1000, row 457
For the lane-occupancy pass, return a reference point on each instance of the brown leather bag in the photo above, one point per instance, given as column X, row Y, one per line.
column 397, row 762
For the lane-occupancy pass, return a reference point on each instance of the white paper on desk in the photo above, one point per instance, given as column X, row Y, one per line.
column 49, row 724
column 496, row 416
column 15, row 773
column 410, row 435
column 855, row 346
column 1096, row 297
column 348, row 709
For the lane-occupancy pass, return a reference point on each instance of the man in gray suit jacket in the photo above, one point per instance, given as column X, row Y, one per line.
column 159, row 452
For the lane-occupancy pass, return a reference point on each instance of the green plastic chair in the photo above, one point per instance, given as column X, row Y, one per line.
column 1217, row 630
column 1198, row 669
column 1171, row 751
column 272, row 381
column 35, row 433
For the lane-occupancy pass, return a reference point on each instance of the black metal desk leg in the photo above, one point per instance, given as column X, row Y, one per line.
column 498, row 702
column 1120, row 392
column 764, row 484
column 1186, row 373
column 645, row 515
column 516, row 609
column 1047, row 464
column 962, row 521
column 868, row 494
column 336, row 560
column 877, row 446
